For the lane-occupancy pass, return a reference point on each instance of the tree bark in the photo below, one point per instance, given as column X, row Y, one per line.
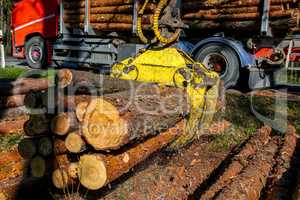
column 251, row 181
column 113, row 166
column 238, row 16
column 23, row 86
column 106, row 18
column 119, row 118
column 81, row 4
column 12, row 126
column 12, row 113
column 96, row 83
column 255, row 143
column 14, row 165
column 11, row 101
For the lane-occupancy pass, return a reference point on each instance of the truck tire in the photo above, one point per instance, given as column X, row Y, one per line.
column 222, row 59
column 36, row 52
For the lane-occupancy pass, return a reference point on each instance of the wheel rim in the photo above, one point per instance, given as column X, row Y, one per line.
column 216, row 62
column 35, row 53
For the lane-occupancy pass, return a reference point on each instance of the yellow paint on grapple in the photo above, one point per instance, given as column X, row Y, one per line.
column 172, row 67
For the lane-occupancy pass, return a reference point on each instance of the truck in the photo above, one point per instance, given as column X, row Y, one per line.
column 40, row 34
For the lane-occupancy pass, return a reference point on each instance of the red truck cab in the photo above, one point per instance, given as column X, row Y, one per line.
column 34, row 26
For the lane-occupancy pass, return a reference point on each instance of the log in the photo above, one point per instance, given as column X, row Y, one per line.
column 12, row 126
column 279, row 179
column 234, row 4
column 95, row 82
column 80, row 110
column 255, row 143
column 239, row 16
column 38, row 167
column 12, row 113
column 27, row 148
column 59, row 146
column 45, row 147
column 106, row 18
column 11, row 101
column 81, row 4
column 116, row 119
column 281, row 24
column 23, row 86
column 247, row 9
column 108, row 26
column 74, row 143
column 113, row 166
column 102, row 10
column 251, row 181
column 37, row 124
column 14, row 164
column 64, row 123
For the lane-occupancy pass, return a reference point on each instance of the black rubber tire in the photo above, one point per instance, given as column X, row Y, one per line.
column 38, row 42
column 232, row 73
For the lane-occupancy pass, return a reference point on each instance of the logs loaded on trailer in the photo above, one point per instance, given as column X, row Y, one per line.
column 106, row 15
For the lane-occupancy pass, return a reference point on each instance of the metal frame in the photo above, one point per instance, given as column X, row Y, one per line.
column 265, row 28
column 86, row 16
column 135, row 16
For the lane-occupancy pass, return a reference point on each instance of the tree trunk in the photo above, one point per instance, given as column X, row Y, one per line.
column 64, row 123
column 81, row 4
column 11, row 101
column 102, row 10
column 238, row 16
column 107, row 168
column 23, row 86
column 252, row 180
column 106, row 18
column 120, row 118
column 239, row 161
column 94, row 82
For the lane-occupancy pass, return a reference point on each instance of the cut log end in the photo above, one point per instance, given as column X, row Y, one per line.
column 92, row 172
column 63, row 123
column 73, row 170
column 80, row 110
column 38, row 167
column 74, row 143
column 45, row 146
column 60, row 178
column 64, row 78
column 102, row 126
column 27, row 148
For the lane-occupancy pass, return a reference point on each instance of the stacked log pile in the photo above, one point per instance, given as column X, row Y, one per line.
column 107, row 15
column 93, row 126
column 110, row 124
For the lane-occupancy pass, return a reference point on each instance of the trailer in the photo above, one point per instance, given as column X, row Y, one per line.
column 41, row 35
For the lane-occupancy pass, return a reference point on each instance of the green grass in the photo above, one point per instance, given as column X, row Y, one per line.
column 9, row 142
column 14, row 73
column 11, row 72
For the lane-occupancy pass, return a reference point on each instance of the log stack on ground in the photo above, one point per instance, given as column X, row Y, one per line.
column 106, row 15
